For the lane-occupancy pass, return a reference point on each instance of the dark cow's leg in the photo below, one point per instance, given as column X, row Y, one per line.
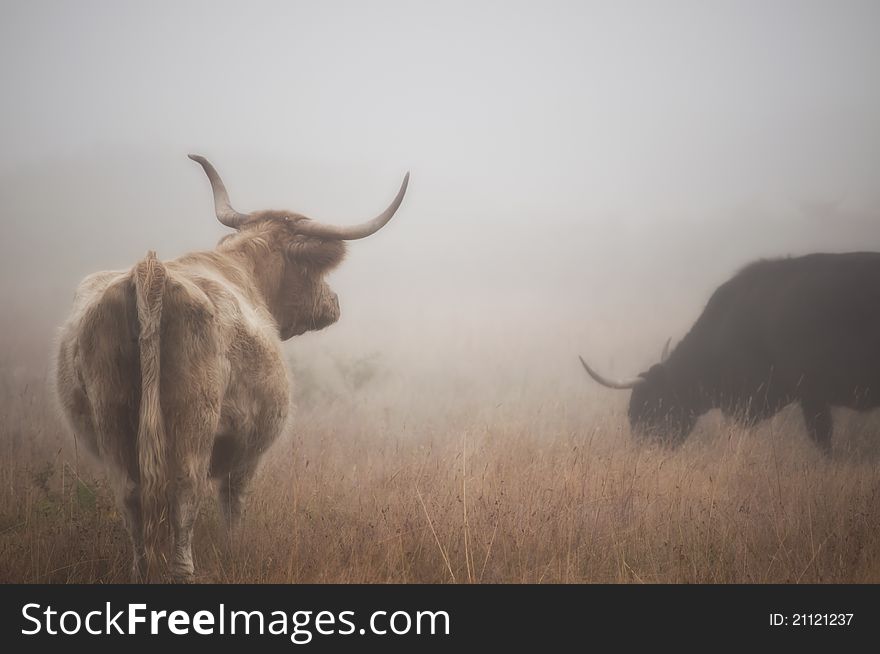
column 817, row 417
column 231, row 491
column 232, row 468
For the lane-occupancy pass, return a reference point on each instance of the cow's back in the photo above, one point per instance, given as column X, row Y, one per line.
column 806, row 324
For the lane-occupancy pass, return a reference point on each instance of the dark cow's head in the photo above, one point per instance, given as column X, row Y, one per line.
column 659, row 406
column 290, row 256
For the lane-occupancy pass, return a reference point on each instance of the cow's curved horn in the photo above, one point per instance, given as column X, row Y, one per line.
column 665, row 354
column 320, row 230
column 610, row 383
column 225, row 213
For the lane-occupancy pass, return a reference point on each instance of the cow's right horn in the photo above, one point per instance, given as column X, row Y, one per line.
column 225, row 213
column 354, row 232
column 665, row 353
column 610, row 383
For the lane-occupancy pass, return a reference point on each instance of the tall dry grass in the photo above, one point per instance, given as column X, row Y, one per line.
column 421, row 485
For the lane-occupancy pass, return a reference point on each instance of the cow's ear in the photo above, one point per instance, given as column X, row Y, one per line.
column 656, row 372
column 315, row 254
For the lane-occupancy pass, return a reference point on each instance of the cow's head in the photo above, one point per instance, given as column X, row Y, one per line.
column 659, row 406
column 290, row 255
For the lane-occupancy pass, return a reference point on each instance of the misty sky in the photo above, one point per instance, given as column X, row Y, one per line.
column 549, row 142
column 544, row 105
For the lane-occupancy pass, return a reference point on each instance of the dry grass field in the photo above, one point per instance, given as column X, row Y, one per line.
column 440, row 487
column 585, row 176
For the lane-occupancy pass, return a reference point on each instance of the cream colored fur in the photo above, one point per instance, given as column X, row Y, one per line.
column 173, row 373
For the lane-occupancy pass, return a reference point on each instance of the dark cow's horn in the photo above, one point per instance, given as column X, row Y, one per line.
column 320, row 230
column 665, row 354
column 225, row 213
column 610, row 383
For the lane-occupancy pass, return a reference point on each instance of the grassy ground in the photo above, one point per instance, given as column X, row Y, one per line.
column 527, row 490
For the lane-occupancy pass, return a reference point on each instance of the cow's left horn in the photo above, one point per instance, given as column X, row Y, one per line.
column 225, row 213
column 610, row 383
column 665, row 354
column 320, row 230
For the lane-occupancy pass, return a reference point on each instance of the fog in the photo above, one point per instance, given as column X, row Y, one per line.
column 584, row 174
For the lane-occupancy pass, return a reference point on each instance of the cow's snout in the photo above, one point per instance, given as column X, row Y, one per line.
column 331, row 307
column 334, row 306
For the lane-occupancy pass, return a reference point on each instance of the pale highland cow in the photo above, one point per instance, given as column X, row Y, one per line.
column 173, row 373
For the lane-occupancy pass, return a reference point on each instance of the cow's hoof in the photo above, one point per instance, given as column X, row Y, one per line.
column 182, row 573
column 183, row 578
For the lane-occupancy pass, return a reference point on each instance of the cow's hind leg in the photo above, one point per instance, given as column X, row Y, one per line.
column 817, row 417
column 192, row 374
column 128, row 497
column 193, row 428
column 135, row 525
column 190, row 479
column 186, row 498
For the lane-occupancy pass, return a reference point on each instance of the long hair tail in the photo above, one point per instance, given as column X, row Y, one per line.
column 149, row 280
